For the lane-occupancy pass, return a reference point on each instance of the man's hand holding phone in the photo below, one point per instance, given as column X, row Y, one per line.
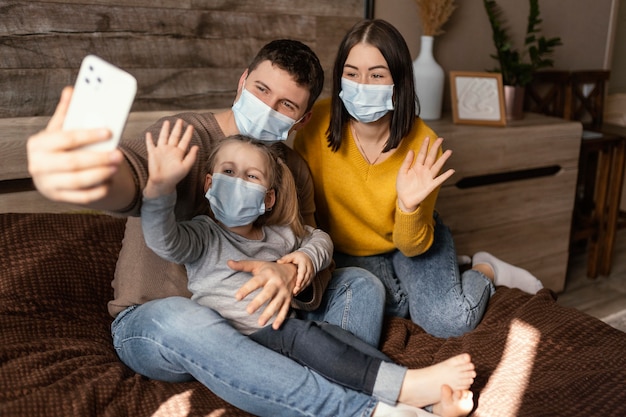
column 68, row 163
column 103, row 96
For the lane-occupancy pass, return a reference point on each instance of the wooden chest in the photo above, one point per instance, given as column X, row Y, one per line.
column 513, row 191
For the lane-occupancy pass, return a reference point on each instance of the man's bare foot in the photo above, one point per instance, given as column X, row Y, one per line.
column 422, row 387
column 454, row 403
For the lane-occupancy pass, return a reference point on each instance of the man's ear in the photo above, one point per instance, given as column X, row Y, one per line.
column 270, row 199
column 208, row 180
column 304, row 120
column 242, row 80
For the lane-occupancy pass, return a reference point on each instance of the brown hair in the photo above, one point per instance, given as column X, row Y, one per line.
column 286, row 211
column 298, row 60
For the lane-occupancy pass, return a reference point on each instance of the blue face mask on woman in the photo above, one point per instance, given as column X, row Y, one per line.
column 256, row 119
column 366, row 102
column 235, row 202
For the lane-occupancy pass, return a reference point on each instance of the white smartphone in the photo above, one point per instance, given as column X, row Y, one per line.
column 103, row 96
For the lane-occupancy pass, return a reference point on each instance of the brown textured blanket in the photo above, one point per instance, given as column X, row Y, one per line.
column 533, row 357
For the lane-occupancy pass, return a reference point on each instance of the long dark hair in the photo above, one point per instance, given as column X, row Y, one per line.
column 394, row 49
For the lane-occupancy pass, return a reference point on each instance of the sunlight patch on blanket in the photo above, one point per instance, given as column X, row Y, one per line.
column 179, row 402
column 518, row 358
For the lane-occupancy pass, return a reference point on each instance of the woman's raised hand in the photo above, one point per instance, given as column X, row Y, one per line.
column 419, row 176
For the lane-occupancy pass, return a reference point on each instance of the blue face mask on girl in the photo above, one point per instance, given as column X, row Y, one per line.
column 256, row 119
column 366, row 102
column 235, row 202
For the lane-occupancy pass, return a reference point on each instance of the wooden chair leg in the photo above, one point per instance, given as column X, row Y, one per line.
column 595, row 242
column 618, row 157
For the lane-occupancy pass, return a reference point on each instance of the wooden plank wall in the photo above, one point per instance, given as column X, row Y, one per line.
column 185, row 54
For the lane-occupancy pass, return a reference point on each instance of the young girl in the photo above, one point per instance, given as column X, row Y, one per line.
column 253, row 199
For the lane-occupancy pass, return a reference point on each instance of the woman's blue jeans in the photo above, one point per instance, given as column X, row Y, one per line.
column 429, row 288
column 175, row 339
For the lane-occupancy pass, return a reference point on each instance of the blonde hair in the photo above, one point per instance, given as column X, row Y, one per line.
column 286, row 211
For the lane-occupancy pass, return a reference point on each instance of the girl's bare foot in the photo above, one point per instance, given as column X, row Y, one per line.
column 454, row 403
column 422, row 387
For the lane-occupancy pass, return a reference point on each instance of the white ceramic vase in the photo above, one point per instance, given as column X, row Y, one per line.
column 429, row 79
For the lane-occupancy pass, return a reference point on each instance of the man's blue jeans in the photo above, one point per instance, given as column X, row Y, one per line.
column 176, row 339
column 429, row 288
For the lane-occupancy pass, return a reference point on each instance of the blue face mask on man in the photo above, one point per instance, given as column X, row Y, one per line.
column 256, row 119
column 366, row 102
column 234, row 201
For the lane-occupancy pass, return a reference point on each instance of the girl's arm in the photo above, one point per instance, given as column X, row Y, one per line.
column 168, row 163
column 178, row 242
column 315, row 254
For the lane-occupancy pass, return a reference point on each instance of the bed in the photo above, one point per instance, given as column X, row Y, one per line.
column 533, row 356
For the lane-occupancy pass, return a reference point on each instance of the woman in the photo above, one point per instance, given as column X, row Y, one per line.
column 375, row 167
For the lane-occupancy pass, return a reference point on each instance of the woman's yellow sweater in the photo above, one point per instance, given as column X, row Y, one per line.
column 356, row 203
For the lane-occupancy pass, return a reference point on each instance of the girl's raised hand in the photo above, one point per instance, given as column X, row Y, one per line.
column 419, row 176
column 168, row 160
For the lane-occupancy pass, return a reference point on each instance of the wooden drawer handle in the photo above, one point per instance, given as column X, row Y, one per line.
column 524, row 174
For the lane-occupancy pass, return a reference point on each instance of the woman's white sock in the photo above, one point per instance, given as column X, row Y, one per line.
column 508, row 275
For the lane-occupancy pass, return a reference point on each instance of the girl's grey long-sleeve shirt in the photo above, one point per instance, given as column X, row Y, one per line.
column 204, row 247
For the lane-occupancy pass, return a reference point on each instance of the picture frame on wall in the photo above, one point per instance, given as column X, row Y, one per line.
column 477, row 98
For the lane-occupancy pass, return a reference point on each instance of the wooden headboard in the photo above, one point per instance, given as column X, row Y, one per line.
column 17, row 194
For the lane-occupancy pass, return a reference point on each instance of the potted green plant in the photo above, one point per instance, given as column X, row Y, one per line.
column 517, row 67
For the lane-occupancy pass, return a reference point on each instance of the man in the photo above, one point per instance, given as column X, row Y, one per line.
column 158, row 331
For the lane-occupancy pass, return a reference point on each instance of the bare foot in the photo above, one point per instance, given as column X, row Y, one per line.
column 422, row 387
column 454, row 403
